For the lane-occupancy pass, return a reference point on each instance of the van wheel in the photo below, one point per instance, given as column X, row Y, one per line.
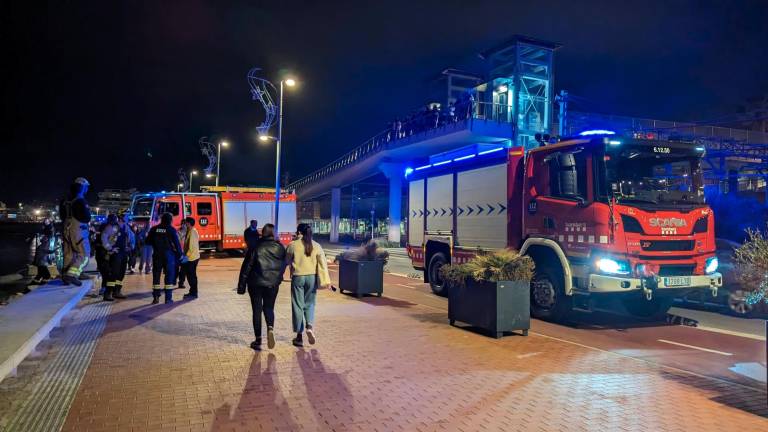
column 655, row 309
column 548, row 299
column 436, row 281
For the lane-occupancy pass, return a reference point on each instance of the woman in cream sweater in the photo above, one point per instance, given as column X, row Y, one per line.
column 309, row 268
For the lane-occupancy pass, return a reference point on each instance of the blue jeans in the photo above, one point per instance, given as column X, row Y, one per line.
column 303, row 295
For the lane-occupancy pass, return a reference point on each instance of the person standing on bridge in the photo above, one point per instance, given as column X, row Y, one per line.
column 262, row 272
column 309, row 269
column 166, row 253
column 76, row 245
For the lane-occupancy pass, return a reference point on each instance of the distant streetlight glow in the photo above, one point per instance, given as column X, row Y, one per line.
column 290, row 82
column 208, row 175
column 191, row 175
column 264, row 138
column 218, row 159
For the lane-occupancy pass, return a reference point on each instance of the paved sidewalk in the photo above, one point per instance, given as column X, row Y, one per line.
column 380, row 364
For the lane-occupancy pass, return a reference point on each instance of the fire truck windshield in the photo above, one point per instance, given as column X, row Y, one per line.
column 653, row 175
column 142, row 207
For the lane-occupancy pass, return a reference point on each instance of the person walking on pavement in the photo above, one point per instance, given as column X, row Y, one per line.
column 251, row 234
column 119, row 242
column 262, row 272
column 145, row 259
column 76, row 215
column 191, row 256
column 309, row 269
column 166, row 252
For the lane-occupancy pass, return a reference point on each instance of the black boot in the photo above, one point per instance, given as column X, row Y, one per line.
column 108, row 294
column 168, row 296
column 117, row 293
column 297, row 341
column 156, row 296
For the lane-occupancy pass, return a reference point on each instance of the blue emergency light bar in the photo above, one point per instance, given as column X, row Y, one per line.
column 458, row 155
column 596, row 132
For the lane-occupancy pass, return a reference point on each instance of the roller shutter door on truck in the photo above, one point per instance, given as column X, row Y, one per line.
column 416, row 213
column 481, row 201
column 439, row 210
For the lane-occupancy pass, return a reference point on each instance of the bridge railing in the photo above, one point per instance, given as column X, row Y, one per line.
column 422, row 121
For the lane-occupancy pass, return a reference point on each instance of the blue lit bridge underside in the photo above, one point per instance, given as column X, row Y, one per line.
column 391, row 155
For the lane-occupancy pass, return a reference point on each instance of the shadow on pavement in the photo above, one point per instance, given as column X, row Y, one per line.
column 325, row 387
column 747, row 399
column 383, row 301
column 136, row 316
column 260, row 403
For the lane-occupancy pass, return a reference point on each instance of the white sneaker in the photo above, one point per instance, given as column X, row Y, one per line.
column 311, row 336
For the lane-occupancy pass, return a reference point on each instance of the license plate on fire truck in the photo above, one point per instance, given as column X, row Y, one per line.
column 677, row 281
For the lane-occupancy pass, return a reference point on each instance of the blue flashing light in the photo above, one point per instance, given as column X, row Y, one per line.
column 422, row 167
column 701, row 149
column 614, row 142
column 441, row 163
column 597, row 132
column 490, row 151
column 408, row 171
column 712, row 264
column 464, row 157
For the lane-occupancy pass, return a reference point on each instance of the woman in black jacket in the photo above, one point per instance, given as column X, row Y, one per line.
column 262, row 272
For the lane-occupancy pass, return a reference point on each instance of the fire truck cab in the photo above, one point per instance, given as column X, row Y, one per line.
column 603, row 217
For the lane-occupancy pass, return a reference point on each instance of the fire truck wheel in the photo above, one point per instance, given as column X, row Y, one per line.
column 655, row 309
column 435, row 279
column 548, row 300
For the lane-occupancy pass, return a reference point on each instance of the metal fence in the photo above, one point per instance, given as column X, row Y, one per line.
column 401, row 129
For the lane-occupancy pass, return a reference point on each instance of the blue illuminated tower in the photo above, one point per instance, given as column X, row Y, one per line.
column 520, row 81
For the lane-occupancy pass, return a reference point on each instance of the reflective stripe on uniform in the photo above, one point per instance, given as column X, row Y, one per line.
column 158, row 286
column 171, row 286
column 110, row 284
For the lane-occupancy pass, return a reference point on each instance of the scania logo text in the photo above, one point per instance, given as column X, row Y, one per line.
column 667, row 222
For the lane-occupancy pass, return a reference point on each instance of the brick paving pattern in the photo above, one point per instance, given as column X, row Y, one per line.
column 380, row 364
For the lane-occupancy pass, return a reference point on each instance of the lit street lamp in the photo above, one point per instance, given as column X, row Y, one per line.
column 191, row 174
column 278, row 141
column 97, row 211
column 179, row 186
column 218, row 159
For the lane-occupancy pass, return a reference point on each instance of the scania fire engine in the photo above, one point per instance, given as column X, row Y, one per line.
column 603, row 217
column 221, row 214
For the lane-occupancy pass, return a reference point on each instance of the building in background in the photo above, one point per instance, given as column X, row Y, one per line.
column 112, row 200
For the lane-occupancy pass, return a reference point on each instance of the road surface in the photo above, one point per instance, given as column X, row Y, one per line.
column 724, row 347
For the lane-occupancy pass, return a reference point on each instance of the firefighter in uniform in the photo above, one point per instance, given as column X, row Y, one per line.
column 76, row 215
column 166, row 252
column 118, row 240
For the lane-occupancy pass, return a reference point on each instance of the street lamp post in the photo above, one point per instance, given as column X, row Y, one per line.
column 191, row 175
column 218, row 159
column 278, row 141
column 179, row 186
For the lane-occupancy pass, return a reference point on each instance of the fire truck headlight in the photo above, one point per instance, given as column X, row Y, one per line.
column 712, row 264
column 611, row 266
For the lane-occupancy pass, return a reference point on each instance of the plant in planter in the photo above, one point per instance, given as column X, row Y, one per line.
column 361, row 270
column 751, row 260
column 491, row 292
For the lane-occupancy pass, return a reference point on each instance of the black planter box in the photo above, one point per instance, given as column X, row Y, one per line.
column 498, row 307
column 361, row 277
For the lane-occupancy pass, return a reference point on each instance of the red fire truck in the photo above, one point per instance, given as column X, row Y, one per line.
column 603, row 218
column 221, row 213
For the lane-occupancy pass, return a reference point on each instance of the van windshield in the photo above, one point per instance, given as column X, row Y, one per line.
column 142, row 207
column 654, row 175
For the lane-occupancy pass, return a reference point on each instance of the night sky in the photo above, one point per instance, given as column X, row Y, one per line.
column 94, row 88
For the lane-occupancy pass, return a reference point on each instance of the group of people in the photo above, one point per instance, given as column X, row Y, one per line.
column 262, row 272
column 176, row 253
column 431, row 117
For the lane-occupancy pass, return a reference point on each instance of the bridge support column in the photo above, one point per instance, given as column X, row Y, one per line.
column 394, row 172
column 335, row 214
